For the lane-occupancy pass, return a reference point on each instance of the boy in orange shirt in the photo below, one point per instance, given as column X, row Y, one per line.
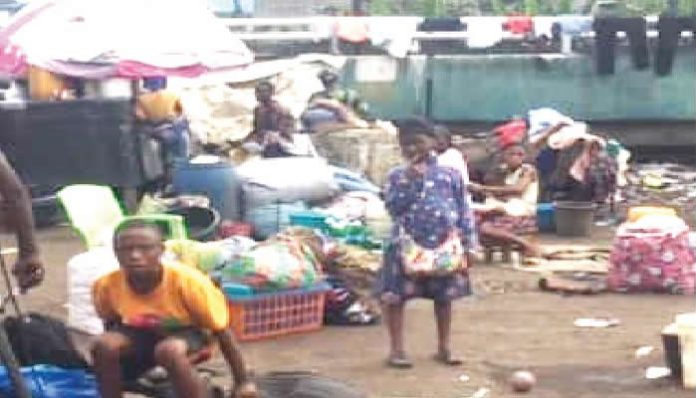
column 158, row 314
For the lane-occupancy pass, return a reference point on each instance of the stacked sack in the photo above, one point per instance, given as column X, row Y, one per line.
column 652, row 254
column 274, row 188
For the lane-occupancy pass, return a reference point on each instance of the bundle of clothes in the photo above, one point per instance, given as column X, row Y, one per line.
column 573, row 164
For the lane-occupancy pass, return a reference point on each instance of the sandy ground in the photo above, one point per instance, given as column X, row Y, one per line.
column 498, row 330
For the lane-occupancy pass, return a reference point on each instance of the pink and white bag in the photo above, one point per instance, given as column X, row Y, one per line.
column 653, row 255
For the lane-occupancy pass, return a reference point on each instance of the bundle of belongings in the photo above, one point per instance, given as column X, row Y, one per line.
column 573, row 164
column 292, row 259
column 652, row 253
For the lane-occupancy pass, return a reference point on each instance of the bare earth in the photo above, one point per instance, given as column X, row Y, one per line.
column 507, row 325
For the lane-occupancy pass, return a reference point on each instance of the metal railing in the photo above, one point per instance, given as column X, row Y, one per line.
column 315, row 29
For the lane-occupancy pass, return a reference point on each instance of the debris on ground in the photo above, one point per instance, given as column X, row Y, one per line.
column 597, row 323
column 644, row 351
column 657, row 372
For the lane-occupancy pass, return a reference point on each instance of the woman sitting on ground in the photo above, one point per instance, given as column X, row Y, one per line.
column 509, row 209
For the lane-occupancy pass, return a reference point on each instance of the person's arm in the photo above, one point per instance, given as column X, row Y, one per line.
column 468, row 213
column 466, row 223
column 209, row 311
column 243, row 387
column 287, row 125
column 537, row 145
column 140, row 110
column 398, row 195
column 28, row 269
column 528, row 176
column 102, row 304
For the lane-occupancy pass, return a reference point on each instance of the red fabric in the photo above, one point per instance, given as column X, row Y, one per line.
column 519, row 24
column 511, row 132
column 652, row 262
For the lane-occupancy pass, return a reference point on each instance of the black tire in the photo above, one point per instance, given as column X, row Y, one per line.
column 7, row 357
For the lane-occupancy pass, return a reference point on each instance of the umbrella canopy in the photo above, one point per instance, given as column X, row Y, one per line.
column 119, row 38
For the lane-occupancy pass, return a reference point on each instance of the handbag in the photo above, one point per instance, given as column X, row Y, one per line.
column 444, row 260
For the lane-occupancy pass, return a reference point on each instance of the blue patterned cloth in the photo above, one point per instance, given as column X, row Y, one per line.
column 428, row 208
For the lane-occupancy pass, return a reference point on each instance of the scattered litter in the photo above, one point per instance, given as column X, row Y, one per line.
column 644, row 351
column 482, row 392
column 597, row 322
column 657, row 372
column 464, row 378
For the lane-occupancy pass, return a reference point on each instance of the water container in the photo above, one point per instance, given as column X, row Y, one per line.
column 546, row 217
column 216, row 180
column 574, row 218
column 686, row 329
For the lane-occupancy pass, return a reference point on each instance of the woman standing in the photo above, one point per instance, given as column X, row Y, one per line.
column 431, row 221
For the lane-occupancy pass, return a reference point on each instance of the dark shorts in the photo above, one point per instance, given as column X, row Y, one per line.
column 143, row 342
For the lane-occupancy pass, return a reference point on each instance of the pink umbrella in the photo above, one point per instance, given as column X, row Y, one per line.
column 119, row 38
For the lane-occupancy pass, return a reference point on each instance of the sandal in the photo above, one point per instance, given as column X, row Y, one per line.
column 399, row 362
column 447, row 359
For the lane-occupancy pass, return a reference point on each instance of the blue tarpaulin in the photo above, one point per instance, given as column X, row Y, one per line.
column 46, row 381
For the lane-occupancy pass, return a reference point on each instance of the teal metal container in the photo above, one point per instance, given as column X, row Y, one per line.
column 495, row 87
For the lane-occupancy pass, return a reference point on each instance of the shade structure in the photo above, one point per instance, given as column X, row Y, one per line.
column 119, row 38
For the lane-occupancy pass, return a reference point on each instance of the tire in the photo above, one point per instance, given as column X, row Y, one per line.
column 8, row 358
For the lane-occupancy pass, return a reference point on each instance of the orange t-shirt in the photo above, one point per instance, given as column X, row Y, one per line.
column 159, row 106
column 185, row 297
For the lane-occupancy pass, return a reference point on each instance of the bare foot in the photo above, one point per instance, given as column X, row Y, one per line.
column 533, row 251
column 446, row 358
column 399, row 361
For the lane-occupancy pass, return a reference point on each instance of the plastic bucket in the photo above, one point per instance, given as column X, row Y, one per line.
column 574, row 218
column 201, row 223
column 546, row 219
column 218, row 181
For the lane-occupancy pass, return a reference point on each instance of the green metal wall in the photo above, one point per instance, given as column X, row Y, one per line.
column 497, row 87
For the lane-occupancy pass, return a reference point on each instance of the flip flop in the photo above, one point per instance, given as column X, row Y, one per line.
column 399, row 362
column 447, row 359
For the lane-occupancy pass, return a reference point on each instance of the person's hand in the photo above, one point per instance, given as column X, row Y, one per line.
column 29, row 271
column 416, row 168
column 272, row 137
column 246, row 390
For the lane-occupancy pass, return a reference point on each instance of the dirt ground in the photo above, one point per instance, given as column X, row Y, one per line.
column 507, row 325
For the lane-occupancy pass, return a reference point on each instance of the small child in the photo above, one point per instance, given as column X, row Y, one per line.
column 426, row 202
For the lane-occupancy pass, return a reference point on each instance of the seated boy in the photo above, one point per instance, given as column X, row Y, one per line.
column 158, row 314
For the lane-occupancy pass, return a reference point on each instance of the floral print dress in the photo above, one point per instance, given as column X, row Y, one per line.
column 428, row 208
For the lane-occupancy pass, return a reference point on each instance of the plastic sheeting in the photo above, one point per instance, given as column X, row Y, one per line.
column 52, row 382
column 181, row 38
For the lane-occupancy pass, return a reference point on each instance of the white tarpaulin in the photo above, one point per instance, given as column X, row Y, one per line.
column 127, row 38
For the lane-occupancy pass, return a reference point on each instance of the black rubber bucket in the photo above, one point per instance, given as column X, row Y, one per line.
column 201, row 222
column 574, row 218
